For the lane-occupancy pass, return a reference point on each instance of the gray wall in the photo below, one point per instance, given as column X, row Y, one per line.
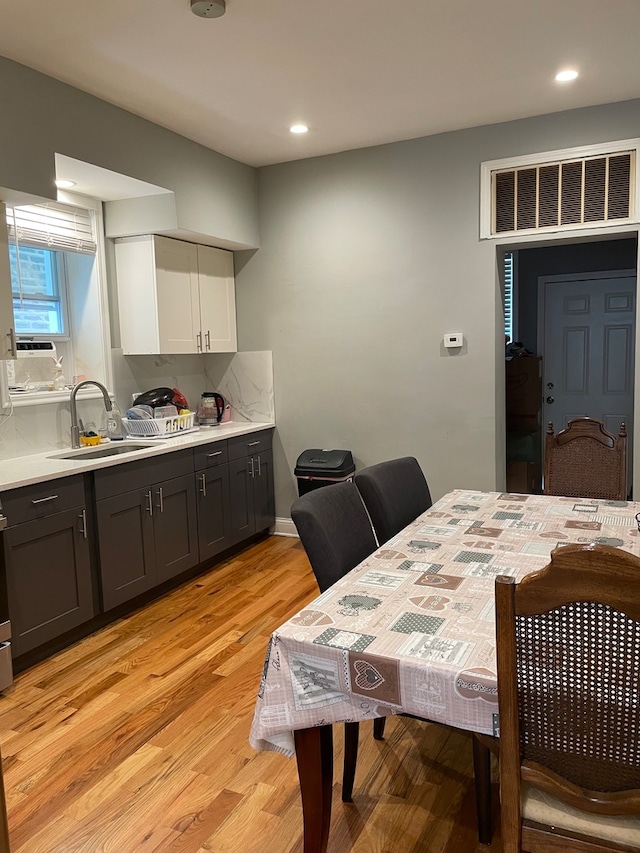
column 41, row 117
column 368, row 258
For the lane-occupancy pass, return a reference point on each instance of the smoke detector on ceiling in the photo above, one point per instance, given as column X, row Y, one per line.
column 208, row 8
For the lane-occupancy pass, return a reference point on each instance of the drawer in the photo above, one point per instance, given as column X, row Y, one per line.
column 247, row 445
column 32, row 502
column 142, row 473
column 210, row 455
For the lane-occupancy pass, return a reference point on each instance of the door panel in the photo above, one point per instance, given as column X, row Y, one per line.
column 589, row 341
column 263, row 488
column 174, row 525
column 127, row 557
column 177, row 294
column 48, row 579
column 213, row 511
column 242, row 515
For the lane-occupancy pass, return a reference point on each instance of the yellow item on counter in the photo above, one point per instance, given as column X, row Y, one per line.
column 89, row 440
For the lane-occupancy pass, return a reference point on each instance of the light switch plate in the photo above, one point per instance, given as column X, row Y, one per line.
column 453, row 339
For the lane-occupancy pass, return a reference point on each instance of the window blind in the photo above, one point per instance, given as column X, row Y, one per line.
column 53, row 226
column 508, row 295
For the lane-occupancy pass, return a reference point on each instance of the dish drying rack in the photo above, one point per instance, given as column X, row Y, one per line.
column 160, row 427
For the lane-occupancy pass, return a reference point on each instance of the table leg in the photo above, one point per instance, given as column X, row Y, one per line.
column 482, row 776
column 314, row 754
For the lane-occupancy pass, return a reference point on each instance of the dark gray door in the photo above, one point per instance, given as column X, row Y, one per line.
column 213, row 511
column 242, row 514
column 263, row 490
column 175, row 527
column 127, row 553
column 48, row 579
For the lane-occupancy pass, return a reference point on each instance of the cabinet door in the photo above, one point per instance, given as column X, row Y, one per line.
column 217, row 300
column 213, row 511
column 48, row 578
column 125, row 542
column 175, row 527
column 264, row 499
column 242, row 523
column 177, row 295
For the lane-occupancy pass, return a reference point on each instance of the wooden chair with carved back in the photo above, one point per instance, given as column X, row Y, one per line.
column 568, row 651
column 586, row 461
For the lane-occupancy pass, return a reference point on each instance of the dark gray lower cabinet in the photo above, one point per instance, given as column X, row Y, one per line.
column 263, row 491
column 146, row 537
column 48, row 571
column 127, row 553
column 251, row 495
column 175, row 528
column 213, row 511
column 155, row 519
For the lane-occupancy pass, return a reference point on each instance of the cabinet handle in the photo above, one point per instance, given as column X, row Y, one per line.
column 252, row 472
column 259, row 467
column 203, row 485
column 149, row 497
column 211, row 455
column 208, row 339
column 199, row 341
column 160, row 500
column 13, row 346
column 45, row 500
column 252, row 443
column 83, row 519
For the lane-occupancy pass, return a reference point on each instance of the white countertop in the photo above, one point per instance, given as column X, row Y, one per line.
column 39, row 467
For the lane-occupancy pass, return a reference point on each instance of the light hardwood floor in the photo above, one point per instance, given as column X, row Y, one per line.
column 135, row 740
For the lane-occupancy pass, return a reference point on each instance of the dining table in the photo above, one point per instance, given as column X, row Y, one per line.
column 411, row 630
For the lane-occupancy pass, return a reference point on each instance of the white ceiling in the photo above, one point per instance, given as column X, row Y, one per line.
column 358, row 72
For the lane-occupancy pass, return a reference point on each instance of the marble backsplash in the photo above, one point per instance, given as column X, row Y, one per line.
column 245, row 380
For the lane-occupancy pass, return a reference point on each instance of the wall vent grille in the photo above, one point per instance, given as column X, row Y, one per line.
column 568, row 193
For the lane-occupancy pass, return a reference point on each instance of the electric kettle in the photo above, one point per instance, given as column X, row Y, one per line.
column 210, row 408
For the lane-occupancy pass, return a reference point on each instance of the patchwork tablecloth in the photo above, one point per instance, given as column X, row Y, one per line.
column 411, row 629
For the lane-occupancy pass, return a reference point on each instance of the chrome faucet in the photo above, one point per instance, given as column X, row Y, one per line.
column 75, row 429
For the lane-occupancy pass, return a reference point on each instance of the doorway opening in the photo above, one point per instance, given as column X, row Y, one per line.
column 574, row 320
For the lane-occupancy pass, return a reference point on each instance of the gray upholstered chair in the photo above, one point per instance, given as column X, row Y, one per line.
column 336, row 534
column 394, row 493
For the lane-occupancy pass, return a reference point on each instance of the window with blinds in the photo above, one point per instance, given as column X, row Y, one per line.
column 40, row 236
column 53, row 226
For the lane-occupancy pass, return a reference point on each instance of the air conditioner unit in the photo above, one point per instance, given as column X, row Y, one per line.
column 34, row 367
column 36, row 349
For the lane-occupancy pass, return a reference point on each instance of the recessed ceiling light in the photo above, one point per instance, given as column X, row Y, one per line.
column 65, row 185
column 298, row 128
column 566, row 76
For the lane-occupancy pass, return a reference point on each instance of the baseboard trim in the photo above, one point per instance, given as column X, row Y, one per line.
column 284, row 527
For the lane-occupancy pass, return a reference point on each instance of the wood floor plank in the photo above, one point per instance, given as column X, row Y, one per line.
column 135, row 739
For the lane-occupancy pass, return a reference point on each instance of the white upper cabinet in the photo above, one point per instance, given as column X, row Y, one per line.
column 174, row 297
column 7, row 327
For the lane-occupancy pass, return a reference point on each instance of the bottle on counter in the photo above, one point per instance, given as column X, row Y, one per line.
column 114, row 428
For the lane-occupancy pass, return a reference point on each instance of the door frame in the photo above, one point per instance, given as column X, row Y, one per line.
column 530, row 241
column 545, row 280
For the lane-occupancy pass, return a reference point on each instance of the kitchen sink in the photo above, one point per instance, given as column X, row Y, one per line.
column 100, row 451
